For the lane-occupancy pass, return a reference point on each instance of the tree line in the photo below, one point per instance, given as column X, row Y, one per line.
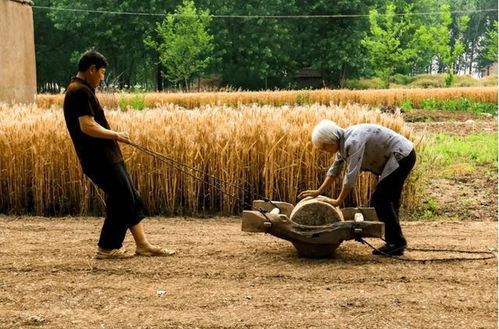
column 261, row 44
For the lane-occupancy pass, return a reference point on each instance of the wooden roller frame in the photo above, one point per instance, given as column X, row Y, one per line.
column 273, row 217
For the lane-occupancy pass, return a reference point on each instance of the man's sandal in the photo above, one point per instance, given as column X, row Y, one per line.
column 112, row 254
column 154, row 251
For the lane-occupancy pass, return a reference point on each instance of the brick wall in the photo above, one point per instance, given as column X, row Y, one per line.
column 17, row 52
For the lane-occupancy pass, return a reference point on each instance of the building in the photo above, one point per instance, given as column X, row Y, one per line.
column 17, row 52
column 490, row 69
column 308, row 78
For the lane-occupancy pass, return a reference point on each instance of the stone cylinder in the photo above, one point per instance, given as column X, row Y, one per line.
column 313, row 212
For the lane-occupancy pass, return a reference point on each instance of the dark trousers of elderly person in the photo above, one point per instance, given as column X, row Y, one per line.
column 124, row 207
column 386, row 200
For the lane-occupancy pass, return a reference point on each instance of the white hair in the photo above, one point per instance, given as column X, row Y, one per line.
column 326, row 132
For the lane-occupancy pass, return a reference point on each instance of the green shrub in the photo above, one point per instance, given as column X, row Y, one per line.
column 449, row 79
column 429, row 104
column 491, row 80
column 480, row 108
column 374, row 83
column 401, row 79
column 467, row 81
column 136, row 102
column 431, row 209
column 427, row 83
column 406, row 105
column 123, row 103
column 353, row 84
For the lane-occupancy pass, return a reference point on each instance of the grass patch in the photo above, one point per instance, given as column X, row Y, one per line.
column 452, row 105
column 458, row 155
column 134, row 101
column 431, row 208
column 459, row 104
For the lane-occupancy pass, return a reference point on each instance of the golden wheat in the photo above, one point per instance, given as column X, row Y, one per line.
column 255, row 150
column 382, row 97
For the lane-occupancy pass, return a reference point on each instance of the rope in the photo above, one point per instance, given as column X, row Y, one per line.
column 180, row 166
column 169, row 159
column 450, row 259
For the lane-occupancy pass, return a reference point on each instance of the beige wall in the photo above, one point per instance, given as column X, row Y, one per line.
column 17, row 53
column 490, row 70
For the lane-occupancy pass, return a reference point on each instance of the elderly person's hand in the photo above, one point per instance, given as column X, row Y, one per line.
column 333, row 202
column 308, row 193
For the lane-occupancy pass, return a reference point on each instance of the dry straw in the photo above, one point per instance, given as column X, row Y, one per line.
column 278, row 98
column 265, row 149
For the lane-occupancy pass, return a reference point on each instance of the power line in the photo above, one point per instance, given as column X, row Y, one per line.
column 261, row 16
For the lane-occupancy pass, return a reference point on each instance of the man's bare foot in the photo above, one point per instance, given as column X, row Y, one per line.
column 151, row 250
column 112, row 254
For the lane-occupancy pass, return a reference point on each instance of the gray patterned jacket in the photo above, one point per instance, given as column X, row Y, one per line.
column 369, row 147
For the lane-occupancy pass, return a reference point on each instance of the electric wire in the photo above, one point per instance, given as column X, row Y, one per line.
column 490, row 254
column 111, row 12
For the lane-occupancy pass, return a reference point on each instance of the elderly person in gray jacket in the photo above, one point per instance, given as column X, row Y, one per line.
column 372, row 148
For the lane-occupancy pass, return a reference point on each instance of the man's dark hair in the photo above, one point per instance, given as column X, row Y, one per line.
column 91, row 57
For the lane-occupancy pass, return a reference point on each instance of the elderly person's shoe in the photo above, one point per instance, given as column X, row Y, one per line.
column 390, row 250
column 112, row 254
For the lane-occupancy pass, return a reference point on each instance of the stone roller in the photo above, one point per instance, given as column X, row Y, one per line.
column 315, row 228
column 313, row 212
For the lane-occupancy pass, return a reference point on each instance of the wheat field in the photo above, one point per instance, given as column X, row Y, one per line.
column 379, row 97
column 254, row 150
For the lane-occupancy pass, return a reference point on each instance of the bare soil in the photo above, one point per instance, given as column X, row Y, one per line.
column 224, row 278
column 459, row 128
column 466, row 197
column 428, row 116
column 465, row 194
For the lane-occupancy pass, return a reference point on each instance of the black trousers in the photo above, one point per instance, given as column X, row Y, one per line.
column 124, row 207
column 386, row 199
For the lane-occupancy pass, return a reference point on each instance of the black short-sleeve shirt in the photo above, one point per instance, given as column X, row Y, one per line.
column 93, row 153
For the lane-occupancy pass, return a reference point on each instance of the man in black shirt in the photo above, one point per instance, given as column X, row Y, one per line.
column 101, row 160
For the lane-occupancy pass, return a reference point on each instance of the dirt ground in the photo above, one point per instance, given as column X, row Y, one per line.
column 224, row 278
column 429, row 116
column 456, row 128
column 465, row 196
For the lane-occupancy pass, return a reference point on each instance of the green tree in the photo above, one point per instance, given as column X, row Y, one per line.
column 255, row 52
column 444, row 45
column 118, row 37
column 490, row 52
column 480, row 22
column 185, row 46
column 332, row 45
column 52, row 60
column 387, row 52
